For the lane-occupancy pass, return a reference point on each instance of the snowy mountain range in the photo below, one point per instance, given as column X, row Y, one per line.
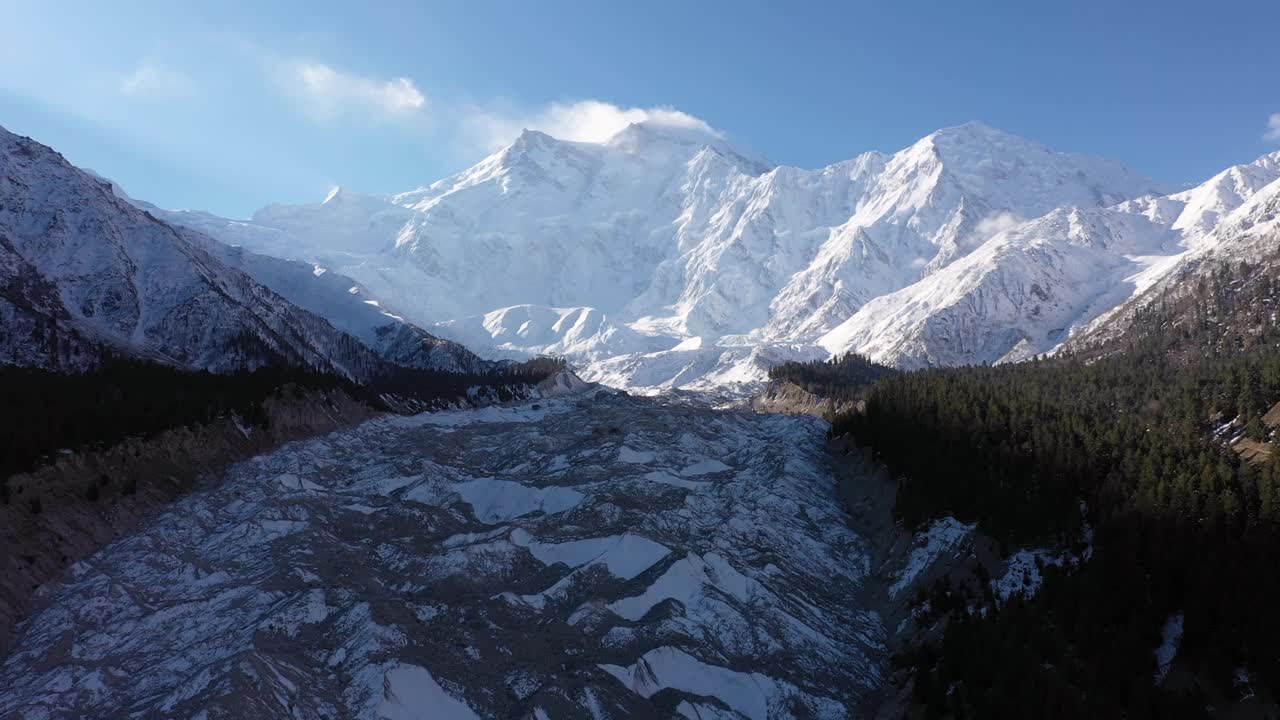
column 594, row 553
column 1232, row 217
column 666, row 257
column 87, row 272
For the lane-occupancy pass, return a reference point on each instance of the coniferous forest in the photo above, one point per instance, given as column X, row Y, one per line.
column 841, row 378
column 46, row 412
column 1147, row 435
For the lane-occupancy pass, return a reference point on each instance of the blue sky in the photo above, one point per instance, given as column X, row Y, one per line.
column 235, row 105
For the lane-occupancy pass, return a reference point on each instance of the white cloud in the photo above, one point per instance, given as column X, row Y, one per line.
column 1273, row 127
column 155, row 81
column 328, row 93
column 996, row 224
column 583, row 121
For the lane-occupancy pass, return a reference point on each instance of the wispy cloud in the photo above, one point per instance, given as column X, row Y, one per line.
column 156, row 81
column 1273, row 127
column 326, row 93
column 993, row 225
column 582, row 120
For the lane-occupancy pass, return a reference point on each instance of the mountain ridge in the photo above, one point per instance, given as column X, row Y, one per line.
column 90, row 272
column 678, row 235
column 667, row 257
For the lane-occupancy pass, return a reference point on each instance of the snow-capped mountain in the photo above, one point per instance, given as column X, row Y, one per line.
column 1018, row 295
column 666, row 257
column 1233, row 217
column 350, row 308
column 1037, row 284
column 85, row 270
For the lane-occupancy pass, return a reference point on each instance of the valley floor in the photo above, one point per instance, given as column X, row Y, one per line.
column 591, row 556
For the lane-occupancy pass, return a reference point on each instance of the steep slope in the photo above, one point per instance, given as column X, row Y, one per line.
column 351, row 309
column 934, row 203
column 667, row 240
column 86, row 272
column 1018, row 295
column 1220, row 290
column 35, row 328
column 1072, row 272
column 582, row 332
column 334, row 297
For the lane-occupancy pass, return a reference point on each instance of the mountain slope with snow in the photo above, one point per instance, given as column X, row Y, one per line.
column 87, row 271
column 1020, row 294
column 631, row 254
column 351, row 309
column 1034, row 286
column 1243, row 226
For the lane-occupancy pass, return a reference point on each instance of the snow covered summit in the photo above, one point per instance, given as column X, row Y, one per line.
column 689, row 260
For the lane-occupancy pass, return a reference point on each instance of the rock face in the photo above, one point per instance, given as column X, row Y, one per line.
column 601, row 555
column 84, row 272
column 787, row 397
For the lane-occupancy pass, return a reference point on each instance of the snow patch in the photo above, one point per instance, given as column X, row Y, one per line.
column 942, row 536
column 411, row 693
column 749, row 694
column 625, row 556
column 1170, row 638
column 666, row 478
column 705, row 466
column 635, row 457
column 686, row 581
column 494, row 501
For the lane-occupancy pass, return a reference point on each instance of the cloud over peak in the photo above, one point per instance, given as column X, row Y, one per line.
column 327, row 93
column 1273, row 127
column 154, row 81
column 581, row 120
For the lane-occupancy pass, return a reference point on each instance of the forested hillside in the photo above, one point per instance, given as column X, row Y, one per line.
column 46, row 412
column 1183, row 525
column 1222, row 310
column 843, row 377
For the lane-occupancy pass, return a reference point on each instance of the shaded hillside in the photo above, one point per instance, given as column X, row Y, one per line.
column 1223, row 310
column 1179, row 525
column 47, row 412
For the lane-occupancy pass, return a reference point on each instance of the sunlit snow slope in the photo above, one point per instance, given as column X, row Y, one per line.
column 666, row 257
column 86, row 272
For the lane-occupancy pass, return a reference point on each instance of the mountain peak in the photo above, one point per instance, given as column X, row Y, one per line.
column 684, row 133
column 976, row 131
column 531, row 138
column 972, row 127
column 644, row 135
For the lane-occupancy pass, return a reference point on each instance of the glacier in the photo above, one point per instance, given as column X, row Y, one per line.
column 512, row 561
